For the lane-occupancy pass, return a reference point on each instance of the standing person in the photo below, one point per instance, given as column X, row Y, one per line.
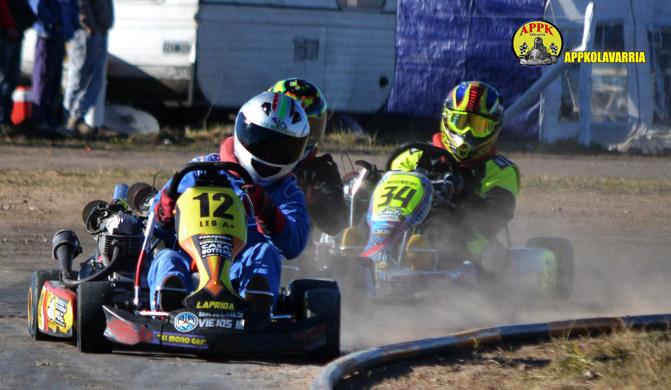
column 86, row 66
column 15, row 17
column 56, row 23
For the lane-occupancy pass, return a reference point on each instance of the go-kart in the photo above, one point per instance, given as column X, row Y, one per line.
column 105, row 304
column 396, row 205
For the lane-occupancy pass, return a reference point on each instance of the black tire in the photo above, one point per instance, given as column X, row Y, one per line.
column 563, row 251
column 37, row 280
column 325, row 302
column 91, row 296
column 297, row 289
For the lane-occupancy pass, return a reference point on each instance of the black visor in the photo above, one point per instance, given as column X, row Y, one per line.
column 269, row 145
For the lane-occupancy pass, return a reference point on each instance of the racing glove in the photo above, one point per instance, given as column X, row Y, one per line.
column 453, row 186
column 320, row 180
column 165, row 209
column 269, row 218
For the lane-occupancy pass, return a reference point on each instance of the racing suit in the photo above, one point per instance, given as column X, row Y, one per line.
column 480, row 210
column 263, row 252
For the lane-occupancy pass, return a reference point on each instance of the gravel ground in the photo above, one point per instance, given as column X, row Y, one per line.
column 620, row 233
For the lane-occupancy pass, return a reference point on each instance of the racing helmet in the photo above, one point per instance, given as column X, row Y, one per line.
column 471, row 119
column 271, row 131
column 313, row 102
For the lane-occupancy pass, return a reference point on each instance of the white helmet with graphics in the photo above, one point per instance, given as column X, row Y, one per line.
column 271, row 131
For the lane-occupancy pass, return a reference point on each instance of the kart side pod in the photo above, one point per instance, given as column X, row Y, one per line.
column 56, row 310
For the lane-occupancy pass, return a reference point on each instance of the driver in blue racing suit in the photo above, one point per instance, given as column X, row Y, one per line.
column 271, row 131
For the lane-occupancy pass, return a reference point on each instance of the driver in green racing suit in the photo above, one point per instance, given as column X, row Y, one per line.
column 482, row 191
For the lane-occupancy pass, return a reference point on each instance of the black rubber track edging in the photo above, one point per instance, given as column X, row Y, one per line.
column 518, row 334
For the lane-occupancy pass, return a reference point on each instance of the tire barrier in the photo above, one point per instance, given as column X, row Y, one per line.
column 518, row 334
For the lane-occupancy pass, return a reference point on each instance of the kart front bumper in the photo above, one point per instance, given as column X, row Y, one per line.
column 214, row 333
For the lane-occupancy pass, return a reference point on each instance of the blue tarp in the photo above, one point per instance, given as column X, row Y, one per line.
column 440, row 43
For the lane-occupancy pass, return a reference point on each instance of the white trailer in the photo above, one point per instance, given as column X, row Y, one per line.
column 227, row 51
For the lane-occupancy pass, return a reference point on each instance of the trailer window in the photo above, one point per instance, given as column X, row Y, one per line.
column 660, row 51
column 361, row 4
column 609, row 81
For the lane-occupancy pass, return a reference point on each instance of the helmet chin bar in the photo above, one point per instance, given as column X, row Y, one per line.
column 245, row 158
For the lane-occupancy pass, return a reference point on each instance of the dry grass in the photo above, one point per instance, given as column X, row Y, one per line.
column 634, row 360
column 591, row 183
column 625, row 360
column 352, row 142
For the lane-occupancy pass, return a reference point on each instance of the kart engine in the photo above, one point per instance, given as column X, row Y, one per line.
column 114, row 222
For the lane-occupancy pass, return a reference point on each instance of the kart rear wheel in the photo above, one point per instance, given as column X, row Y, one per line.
column 325, row 302
column 91, row 322
column 37, row 280
column 563, row 251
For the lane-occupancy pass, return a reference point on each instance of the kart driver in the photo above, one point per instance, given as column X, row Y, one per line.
column 318, row 176
column 271, row 131
column 483, row 190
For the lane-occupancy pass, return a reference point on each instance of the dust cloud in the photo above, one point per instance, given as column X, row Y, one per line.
column 622, row 248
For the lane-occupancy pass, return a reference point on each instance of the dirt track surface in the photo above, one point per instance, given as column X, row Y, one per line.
column 621, row 240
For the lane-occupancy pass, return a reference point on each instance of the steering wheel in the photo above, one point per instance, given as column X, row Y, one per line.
column 430, row 155
column 209, row 168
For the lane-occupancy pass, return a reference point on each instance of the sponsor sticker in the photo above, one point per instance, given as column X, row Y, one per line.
column 215, row 305
column 216, row 245
column 208, row 314
column 224, row 323
column 185, row 322
column 57, row 308
column 183, row 340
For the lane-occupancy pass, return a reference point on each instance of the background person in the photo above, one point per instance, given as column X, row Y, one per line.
column 87, row 58
column 15, row 17
column 56, row 23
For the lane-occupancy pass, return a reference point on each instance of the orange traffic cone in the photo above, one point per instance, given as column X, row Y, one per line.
column 22, row 105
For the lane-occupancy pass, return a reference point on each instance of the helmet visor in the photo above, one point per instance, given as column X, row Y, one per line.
column 268, row 145
column 461, row 122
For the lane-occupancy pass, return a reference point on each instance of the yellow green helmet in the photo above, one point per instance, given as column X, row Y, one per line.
column 313, row 102
column 471, row 119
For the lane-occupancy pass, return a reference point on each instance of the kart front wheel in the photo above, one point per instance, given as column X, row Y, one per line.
column 37, row 280
column 91, row 296
column 318, row 297
column 563, row 251
column 326, row 302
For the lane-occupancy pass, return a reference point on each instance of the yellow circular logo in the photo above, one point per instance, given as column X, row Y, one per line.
column 537, row 43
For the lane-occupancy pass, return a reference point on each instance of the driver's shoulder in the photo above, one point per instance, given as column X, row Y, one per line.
column 499, row 171
column 502, row 161
column 499, row 162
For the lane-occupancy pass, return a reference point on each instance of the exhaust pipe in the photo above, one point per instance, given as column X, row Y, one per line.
column 65, row 247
